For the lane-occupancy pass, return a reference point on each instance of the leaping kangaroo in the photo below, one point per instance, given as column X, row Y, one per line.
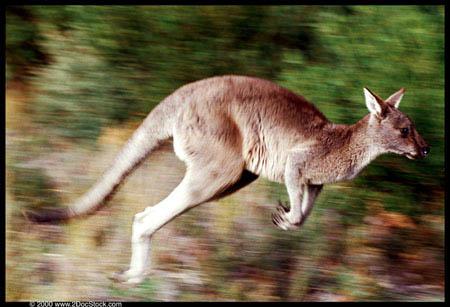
column 229, row 130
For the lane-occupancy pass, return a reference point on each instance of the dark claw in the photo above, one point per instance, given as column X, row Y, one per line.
column 281, row 211
column 276, row 218
column 283, row 206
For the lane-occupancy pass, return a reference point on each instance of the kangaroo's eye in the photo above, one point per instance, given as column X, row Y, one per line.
column 404, row 132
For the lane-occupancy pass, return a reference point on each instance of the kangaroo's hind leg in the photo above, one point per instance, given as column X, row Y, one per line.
column 207, row 176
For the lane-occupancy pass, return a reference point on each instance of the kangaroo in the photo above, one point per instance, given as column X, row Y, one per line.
column 229, row 130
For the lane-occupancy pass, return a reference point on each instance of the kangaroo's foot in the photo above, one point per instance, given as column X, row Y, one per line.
column 281, row 218
column 128, row 277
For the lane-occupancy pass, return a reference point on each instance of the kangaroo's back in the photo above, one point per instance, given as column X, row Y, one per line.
column 248, row 98
column 269, row 118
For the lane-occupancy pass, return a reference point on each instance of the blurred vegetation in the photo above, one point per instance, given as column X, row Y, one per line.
column 73, row 72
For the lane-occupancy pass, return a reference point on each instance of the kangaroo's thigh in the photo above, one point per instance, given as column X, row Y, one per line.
column 206, row 136
column 211, row 146
column 213, row 167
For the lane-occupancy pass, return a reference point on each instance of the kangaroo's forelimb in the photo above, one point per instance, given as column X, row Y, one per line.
column 301, row 194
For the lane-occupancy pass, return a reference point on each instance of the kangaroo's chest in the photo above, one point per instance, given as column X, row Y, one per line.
column 266, row 160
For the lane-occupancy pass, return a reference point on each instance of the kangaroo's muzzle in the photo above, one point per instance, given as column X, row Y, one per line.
column 424, row 151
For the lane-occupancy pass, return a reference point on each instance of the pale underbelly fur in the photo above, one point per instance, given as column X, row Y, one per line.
column 263, row 163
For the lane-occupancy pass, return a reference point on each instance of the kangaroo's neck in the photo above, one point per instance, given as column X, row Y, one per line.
column 352, row 147
column 364, row 140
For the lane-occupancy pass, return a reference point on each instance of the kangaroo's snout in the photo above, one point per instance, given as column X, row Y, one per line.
column 425, row 151
column 422, row 147
column 421, row 151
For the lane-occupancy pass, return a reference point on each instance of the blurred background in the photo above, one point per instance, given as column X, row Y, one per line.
column 81, row 78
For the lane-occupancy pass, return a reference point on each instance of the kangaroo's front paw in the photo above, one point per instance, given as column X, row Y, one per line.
column 128, row 277
column 281, row 218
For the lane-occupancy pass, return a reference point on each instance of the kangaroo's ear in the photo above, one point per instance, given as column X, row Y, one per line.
column 394, row 99
column 374, row 103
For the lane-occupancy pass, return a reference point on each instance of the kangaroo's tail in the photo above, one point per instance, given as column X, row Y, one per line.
column 156, row 128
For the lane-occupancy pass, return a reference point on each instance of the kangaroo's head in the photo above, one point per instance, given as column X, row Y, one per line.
column 394, row 131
